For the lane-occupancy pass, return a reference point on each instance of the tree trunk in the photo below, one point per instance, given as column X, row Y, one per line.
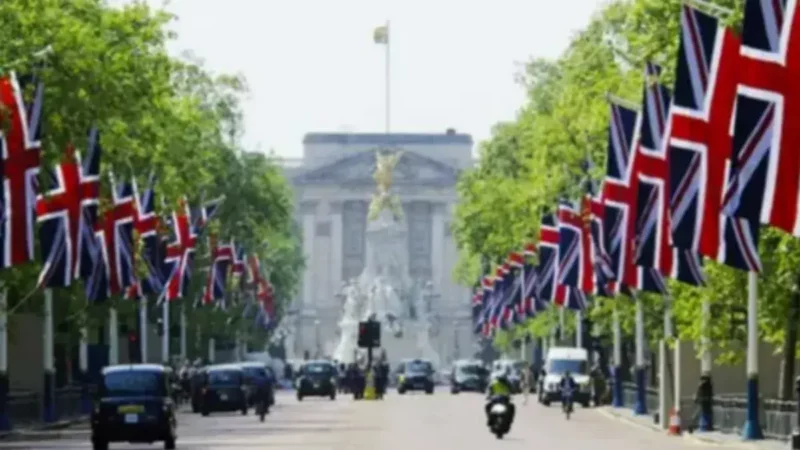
column 789, row 349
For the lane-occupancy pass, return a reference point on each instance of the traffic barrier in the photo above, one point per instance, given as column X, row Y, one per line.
column 674, row 423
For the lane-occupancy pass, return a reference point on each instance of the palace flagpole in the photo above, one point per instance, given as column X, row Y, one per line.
column 381, row 37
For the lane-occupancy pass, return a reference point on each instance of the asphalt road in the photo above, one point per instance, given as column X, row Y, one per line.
column 412, row 421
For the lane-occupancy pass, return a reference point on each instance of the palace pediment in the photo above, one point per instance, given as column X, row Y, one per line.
column 356, row 170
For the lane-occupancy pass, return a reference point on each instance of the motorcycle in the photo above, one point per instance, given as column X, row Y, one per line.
column 499, row 419
column 566, row 402
column 262, row 409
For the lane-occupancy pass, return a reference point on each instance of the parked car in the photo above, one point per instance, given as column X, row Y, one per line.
column 417, row 375
column 317, row 379
column 224, row 390
column 134, row 404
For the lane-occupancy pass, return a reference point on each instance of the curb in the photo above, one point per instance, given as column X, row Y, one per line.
column 45, row 431
column 689, row 437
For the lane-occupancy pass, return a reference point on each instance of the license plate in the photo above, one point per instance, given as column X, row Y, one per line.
column 131, row 418
column 130, row 409
column 223, row 396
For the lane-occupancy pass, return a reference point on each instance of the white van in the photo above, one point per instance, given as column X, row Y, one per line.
column 560, row 360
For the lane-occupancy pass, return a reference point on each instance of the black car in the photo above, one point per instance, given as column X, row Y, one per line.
column 415, row 375
column 469, row 377
column 317, row 379
column 134, row 404
column 257, row 374
column 224, row 390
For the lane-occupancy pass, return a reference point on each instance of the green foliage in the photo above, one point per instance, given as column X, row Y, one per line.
column 157, row 114
column 533, row 161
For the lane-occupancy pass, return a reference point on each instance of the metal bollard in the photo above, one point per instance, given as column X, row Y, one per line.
column 705, row 400
column 796, row 432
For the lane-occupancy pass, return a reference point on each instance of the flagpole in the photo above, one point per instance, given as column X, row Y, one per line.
column 165, row 331
column 752, row 425
column 640, row 408
column 83, row 365
column 5, row 423
column 388, row 78
column 48, row 399
column 143, row 329
column 183, row 331
column 617, row 378
column 113, row 336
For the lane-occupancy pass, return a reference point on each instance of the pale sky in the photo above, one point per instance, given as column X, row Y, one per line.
column 312, row 65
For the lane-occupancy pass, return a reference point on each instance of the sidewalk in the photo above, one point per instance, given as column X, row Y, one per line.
column 713, row 438
column 53, row 430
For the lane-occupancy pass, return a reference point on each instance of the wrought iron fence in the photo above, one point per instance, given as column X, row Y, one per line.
column 24, row 408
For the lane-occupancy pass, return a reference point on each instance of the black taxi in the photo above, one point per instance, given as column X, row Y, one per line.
column 134, row 404
column 224, row 389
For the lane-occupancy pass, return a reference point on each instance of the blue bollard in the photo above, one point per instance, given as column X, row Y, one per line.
column 617, row 400
column 49, row 398
column 5, row 421
column 641, row 392
column 752, row 425
column 86, row 400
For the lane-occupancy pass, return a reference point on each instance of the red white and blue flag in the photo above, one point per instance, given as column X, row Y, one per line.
column 765, row 182
column 20, row 148
column 180, row 254
column 67, row 213
column 112, row 257
column 700, row 144
column 221, row 258
column 547, row 270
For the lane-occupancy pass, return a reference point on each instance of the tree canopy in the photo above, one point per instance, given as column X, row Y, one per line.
column 532, row 162
column 157, row 114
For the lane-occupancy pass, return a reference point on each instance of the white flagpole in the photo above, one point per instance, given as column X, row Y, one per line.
column 752, row 424
column 143, row 329
column 640, row 407
column 388, row 78
column 165, row 331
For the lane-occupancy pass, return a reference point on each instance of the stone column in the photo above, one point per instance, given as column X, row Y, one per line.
column 438, row 245
column 336, row 245
column 308, row 210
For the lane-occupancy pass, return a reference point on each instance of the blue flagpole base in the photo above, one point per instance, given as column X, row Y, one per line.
column 617, row 399
column 5, row 422
column 640, row 408
column 752, row 425
column 86, row 400
column 49, row 398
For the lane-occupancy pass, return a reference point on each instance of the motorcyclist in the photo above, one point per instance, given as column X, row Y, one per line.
column 261, row 395
column 500, row 392
column 567, row 386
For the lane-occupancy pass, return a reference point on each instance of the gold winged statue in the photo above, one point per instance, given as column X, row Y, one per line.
column 382, row 199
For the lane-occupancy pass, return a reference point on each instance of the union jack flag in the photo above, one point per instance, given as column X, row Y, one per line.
column 547, row 270
column 264, row 293
column 574, row 242
column 180, row 254
column 530, row 304
column 766, row 162
column 477, row 308
column 618, row 197
column 20, row 147
column 571, row 298
column 487, row 289
column 700, row 144
column 67, row 214
column 496, row 296
column 221, row 257
column 601, row 262
column 112, row 271
column 502, row 286
column 152, row 247
column 514, row 300
column 205, row 213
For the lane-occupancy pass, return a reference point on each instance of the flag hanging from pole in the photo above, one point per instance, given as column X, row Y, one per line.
column 381, row 34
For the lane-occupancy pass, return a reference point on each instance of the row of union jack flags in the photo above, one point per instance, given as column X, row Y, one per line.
column 85, row 236
column 693, row 173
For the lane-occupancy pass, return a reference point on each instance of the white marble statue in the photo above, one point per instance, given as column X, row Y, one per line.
column 379, row 290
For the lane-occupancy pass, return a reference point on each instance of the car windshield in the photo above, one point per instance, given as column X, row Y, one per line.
column 224, row 377
column 472, row 370
column 133, row 383
column 419, row 367
column 574, row 366
column 317, row 369
column 259, row 373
